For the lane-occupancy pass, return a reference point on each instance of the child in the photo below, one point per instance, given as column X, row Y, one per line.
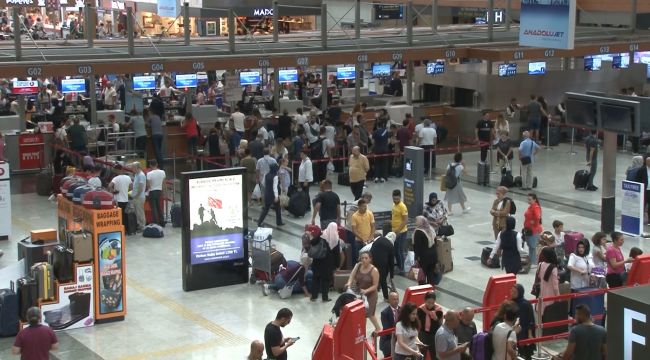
column 558, row 233
column 504, row 150
column 634, row 252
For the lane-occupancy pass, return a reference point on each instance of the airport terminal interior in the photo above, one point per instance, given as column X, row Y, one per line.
column 466, row 62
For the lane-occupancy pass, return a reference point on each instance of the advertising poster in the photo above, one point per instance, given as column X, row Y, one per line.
column 30, row 151
column 547, row 23
column 75, row 306
column 216, row 221
column 110, row 275
column 632, row 208
column 167, row 8
column 5, row 201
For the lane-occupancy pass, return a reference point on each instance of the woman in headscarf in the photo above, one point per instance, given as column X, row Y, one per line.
column 526, row 320
column 331, row 235
column 637, row 163
column 430, row 316
column 424, row 246
column 435, row 211
column 321, row 268
column 509, row 246
column 548, row 276
column 271, row 196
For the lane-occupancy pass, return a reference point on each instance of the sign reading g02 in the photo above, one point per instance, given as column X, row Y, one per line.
column 34, row 71
column 84, row 69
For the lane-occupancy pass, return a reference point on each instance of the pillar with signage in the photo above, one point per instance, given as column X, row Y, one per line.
column 215, row 249
column 5, row 201
column 632, row 207
column 414, row 180
column 628, row 323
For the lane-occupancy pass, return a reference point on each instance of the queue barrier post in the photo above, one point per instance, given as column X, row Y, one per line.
column 573, row 132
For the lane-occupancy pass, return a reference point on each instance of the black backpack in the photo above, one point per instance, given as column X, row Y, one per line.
column 513, row 207
column 450, row 177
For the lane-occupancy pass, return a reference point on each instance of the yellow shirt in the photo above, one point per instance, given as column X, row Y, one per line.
column 362, row 223
column 398, row 213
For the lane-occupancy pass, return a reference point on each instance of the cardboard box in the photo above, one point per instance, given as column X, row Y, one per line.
column 44, row 235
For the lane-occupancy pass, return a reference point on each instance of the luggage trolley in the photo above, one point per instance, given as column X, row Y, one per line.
column 265, row 259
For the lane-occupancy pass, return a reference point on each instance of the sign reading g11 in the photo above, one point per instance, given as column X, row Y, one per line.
column 547, row 23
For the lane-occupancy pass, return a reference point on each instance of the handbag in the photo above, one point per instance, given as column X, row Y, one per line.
column 443, row 186
column 537, row 286
column 257, row 192
column 414, row 272
column 284, row 200
column 446, row 230
column 526, row 160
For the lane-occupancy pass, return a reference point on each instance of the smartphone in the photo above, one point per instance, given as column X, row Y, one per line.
column 296, row 339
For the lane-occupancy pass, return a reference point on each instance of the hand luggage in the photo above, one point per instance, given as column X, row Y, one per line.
column 33, row 253
column 44, row 275
column 571, row 239
column 344, row 179
column 483, row 174
column 580, row 179
column 81, row 244
column 44, row 183
column 340, row 279
column 596, row 304
column 176, row 215
column 525, row 264
column 69, row 194
column 506, row 179
column 485, row 255
column 277, row 259
column 27, row 291
column 98, row 199
column 153, row 231
column 62, row 258
column 9, row 323
column 482, row 347
column 518, row 182
column 130, row 223
column 67, row 182
column 298, row 204
column 556, row 311
column 443, row 248
column 78, row 194
column 553, row 136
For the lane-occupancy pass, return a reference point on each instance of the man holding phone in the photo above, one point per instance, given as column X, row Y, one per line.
column 504, row 338
column 447, row 347
column 276, row 344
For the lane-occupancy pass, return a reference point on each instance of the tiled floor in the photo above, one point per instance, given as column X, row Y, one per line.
column 164, row 322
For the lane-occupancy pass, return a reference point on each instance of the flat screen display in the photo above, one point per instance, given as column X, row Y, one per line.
column 144, row 82
column 249, row 78
column 581, row 112
column 25, row 87
column 288, row 76
column 643, row 57
column 593, row 63
column 389, row 12
column 186, row 81
column 621, row 62
column 616, row 118
column 346, row 73
column 202, row 77
column 216, row 219
column 73, row 86
column 537, row 68
column 437, row 67
column 508, row 69
column 381, row 70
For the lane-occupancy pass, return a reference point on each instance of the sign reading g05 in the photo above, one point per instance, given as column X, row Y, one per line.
column 198, row 66
column 264, row 62
column 84, row 69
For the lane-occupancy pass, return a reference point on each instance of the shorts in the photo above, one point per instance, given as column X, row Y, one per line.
column 534, row 124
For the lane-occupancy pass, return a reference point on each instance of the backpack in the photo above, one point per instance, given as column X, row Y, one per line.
column 513, row 207
column 319, row 251
column 153, row 231
column 482, row 347
column 450, row 177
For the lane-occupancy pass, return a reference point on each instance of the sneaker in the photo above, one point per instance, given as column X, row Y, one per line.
column 466, row 210
column 383, row 180
column 376, row 180
column 265, row 289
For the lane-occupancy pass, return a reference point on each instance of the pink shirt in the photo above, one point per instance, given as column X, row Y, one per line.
column 616, row 254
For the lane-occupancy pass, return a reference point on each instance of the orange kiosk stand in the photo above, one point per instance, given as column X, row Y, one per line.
column 639, row 274
column 496, row 292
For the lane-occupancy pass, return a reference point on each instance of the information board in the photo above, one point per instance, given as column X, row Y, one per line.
column 5, row 201
column 632, row 207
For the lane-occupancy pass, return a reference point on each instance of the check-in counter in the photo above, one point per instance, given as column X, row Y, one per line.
column 102, row 115
column 397, row 113
column 27, row 151
column 10, row 122
column 349, row 92
column 205, row 113
column 290, row 105
column 174, row 142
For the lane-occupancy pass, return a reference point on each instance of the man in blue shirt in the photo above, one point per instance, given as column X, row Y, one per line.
column 528, row 149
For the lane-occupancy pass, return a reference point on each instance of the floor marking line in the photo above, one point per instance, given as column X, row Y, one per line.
column 175, row 350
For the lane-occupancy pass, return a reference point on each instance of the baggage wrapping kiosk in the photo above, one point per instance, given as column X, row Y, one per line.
column 107, row 269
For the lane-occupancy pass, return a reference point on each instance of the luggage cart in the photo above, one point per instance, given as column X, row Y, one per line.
column 261, row 251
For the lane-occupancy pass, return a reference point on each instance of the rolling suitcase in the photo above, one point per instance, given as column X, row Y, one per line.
column 44, row 275
column 483, row 174
column 98, row 199
column 175, row 213
column 485, row 255
column 340, row 279
column 556, row 311
column 506, row 178
column 344, row 179
column 571, row 239
column 27, row 291
column 580, row 179
column 9, row 323
column 80, row 192
column 298, row 204
column 81, row 244
column 44, row 183
column 62, row 258
column 443, row 248
column 517, row 182
column 553, row 136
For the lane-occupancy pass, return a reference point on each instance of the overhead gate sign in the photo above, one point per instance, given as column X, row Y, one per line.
column 547, row 23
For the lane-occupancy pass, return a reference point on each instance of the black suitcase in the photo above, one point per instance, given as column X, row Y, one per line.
column 344, row 179
column 298, row 204
column 27, row 295
column 8, row 312
column 580, row 179
column 62, row 258
column 483, row 174
column 44, row 183
column 131, row 223
column 554, row 136
column 555, row 312
column 176, row 216
column 506, row 178
column 518, row 183
column 485, row 255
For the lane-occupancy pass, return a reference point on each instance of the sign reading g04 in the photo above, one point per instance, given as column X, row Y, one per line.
column 84, row 69
column 157, row 67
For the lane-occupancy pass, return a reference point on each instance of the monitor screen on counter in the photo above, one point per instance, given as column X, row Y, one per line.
column 186, row 81
column 346, row 73
column 288, row 76
column 73, row 86
column 249, row 78
column 144, row 82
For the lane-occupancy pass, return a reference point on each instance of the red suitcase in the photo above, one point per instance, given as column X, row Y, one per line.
column 571, row 239
column 98, row 199
column 67, row 181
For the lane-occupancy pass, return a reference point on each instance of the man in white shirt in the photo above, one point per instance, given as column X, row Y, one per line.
column 95, row 181
column 155, row 180
column 312, row 130
column 305, row 173
column 138, row 194
column 426, row 139
column 264, row 166
column 110, row 96
column 238, row 120
column 504, row 336
column 300, row 118
column 120, row 186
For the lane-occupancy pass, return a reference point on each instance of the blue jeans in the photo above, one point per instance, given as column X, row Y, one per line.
column 400, row 250
column 532, row 241
column 157, row 141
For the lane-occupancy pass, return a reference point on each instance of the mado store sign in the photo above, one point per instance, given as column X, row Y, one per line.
column 547, row 23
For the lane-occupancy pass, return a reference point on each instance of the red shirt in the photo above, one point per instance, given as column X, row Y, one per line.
column 532, row 218
column 616, row 254
column 35, row 342
column 404, row 135
column 191, row 128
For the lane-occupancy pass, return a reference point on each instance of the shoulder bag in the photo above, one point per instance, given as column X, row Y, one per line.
column 526, row 160
column 537, row 287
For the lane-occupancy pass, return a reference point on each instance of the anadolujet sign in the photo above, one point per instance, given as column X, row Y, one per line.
column 547, row 23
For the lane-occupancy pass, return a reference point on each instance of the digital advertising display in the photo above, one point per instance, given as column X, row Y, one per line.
column 389, row 12
column 25, row 87
column 537, row 68
column 381, row 70
column 249, row 78
column 621, row 61
column 186, row 81
column 507, row 69
column 346, row 73
column 215, row 217
column 288, row 76
column 111, row 280
column 144, row 82
column 73, row 86
column 434, row 68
